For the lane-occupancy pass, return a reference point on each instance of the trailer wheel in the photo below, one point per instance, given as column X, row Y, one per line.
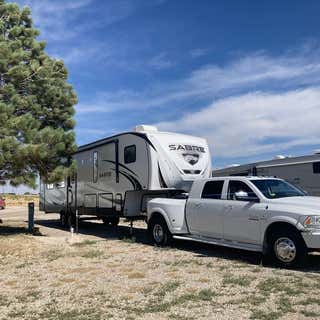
column 158, row 232
column 113, row 221
column 63, row 220
column 286, row 248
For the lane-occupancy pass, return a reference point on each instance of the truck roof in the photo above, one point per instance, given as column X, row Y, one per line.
column 245, row 178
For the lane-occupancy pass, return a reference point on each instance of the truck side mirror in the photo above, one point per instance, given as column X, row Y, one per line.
column 244, row 196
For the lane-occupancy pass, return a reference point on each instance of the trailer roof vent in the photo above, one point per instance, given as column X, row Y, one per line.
column 279, row 157
column 317, row 151
column 233, row 165
column 143, row 127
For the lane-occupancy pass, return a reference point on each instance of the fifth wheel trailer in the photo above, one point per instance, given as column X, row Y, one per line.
column 118, row 175
column 303, row 171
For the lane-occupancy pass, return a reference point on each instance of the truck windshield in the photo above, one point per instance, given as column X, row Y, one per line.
column 274, row 189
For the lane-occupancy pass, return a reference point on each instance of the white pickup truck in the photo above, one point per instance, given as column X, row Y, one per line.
column 260, row 214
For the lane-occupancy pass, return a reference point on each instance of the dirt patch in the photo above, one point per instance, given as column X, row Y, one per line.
column 100, row 274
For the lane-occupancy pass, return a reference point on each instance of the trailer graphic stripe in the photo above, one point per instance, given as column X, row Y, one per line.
column 121, row 165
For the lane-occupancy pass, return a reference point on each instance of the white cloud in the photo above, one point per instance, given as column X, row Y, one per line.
column 255, row 123
column 253, row 72
column 54, row 17
column 199, row 52
column 160, row 62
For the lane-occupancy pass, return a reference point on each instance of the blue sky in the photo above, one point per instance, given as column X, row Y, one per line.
column 244, row 74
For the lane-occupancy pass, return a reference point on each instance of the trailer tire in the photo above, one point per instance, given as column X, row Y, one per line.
column 158, row 231
column 286, row 248
column 63, row 220
column 113, row 221
column 71, row 220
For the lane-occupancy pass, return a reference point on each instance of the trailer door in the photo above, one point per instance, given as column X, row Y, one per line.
column 134, row 164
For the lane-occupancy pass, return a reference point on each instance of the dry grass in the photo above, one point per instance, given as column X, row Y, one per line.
column 101, row 277
column 20, row 200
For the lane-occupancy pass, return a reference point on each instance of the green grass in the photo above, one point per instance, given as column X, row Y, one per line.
column 309, row 301
column 276, row 285
column 130, row 240
column 236, row 281
column 29, row 296
column 53, row 255
column 91, row 254
column 284, row 305
column 206, row 295
column 54, row 314
column 24, row 265
column 166, row 288
column 18, row 314
column 3, row 301
column 310, row 314
column 84, row 243
column 161, row 303
column 261, row 315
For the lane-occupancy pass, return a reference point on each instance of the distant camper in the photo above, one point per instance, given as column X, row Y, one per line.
column 116, row 176
column 303, row 172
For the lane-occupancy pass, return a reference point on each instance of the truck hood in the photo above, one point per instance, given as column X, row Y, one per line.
column 311, row 204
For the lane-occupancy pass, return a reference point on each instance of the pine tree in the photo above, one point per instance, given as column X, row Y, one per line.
column 36, row 104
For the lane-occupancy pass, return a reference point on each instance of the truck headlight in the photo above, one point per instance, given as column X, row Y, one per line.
column 311, row 222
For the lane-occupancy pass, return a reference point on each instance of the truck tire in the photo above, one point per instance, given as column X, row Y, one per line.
column 158, row 232
column 286, row 248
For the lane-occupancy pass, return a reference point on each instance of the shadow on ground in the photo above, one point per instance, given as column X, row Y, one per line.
column 200, row 250
column 10, row 230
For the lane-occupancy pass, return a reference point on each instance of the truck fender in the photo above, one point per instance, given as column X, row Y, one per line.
column 161, row 212
column 279, row 219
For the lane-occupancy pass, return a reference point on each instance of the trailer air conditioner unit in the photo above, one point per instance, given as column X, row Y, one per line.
column 145, row 128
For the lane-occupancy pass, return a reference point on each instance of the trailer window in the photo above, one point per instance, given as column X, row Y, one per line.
column 95, row 166
column 316, row 167
column 130, row 154
column 212, row 190
column 61, row 185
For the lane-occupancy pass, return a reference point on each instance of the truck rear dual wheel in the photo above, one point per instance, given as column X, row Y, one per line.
column 158, row 232
column 286, row 248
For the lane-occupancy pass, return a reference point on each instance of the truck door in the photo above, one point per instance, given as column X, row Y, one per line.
column 241, row 218
column 205, row 215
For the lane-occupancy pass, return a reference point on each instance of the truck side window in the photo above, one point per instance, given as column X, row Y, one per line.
column 130, row 154
column 212, row 190
column 316, row 167
column 237, row 186
column 95, row 166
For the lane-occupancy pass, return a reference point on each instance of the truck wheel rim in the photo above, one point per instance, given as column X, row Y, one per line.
column 285, row 249
column 158, row 233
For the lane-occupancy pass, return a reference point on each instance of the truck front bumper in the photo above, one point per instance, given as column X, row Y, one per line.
column 312, row 239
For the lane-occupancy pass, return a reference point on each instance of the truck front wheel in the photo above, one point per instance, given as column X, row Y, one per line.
column 159, row 232
column 287, row 248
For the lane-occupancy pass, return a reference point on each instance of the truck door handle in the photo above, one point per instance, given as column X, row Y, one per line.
column 228, row 207
column 197, row 205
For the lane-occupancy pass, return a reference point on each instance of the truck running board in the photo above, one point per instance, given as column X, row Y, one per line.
column 229, row 244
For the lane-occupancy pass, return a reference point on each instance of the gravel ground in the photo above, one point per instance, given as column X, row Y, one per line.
column 103, row 273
